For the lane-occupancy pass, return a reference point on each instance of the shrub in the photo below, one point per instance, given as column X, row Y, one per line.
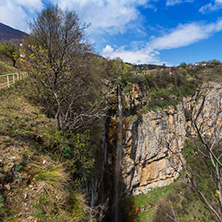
column 173, row 197
column 162, row 98
column 2, row 208
column 164, row 212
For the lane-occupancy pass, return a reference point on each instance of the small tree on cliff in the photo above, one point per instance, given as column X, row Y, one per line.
column 202, row 162
column 58, row 61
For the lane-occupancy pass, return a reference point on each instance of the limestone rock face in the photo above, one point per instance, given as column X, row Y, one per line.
column 147, row 160
column 136, row 98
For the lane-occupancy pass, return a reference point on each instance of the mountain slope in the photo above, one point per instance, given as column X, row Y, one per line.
column 33, row 185
column 9, row 34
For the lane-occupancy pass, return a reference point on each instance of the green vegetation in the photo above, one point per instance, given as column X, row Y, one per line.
column 39, row 179
column 5, row 67
column 52, row 153
column 3, row 211
column 161, row 204
column 178, row 200
column 165, row 86
column 10, row 50
column 60, row 70
column 132, row 118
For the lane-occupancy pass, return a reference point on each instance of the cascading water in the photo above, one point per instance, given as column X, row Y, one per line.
column 118, row 161
column 93, row 192
column 104, row 147
column 106, row 190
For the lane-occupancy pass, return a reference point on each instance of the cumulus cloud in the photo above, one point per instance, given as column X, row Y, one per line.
column 17, row 13
column 175, row 2
column 112, row 16
column 183, row 35
column 217, row 5
column 30, row 5
column 107, row 50
column 138, row 56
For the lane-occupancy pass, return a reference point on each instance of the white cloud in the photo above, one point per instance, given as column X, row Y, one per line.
column 11, row 15
column 112, row 16
column 138, row 56
column 183, row 35
column 107, row 50
column 217, row 5
column 175, row 2
column 16, row 13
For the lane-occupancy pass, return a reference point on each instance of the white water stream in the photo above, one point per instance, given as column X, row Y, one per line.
column 118, row 161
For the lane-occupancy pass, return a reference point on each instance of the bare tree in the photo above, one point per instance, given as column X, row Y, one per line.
column 203, row 114
column 58, row 61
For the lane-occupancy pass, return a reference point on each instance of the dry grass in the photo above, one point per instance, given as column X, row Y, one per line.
column 6, row 67
column 40, row 188
column 58, row 202
column 56, row 177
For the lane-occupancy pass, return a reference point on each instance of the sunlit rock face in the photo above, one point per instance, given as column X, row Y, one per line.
column 149, row 142
column 147, row 161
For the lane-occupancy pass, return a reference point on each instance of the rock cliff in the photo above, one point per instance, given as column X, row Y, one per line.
column 147, row 162
column 149, row 139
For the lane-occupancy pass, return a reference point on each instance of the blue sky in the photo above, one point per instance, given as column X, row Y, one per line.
column 138, row 31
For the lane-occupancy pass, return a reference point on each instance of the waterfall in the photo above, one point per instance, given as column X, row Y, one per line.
column 104, row 147
column 93, row 192
column 118, row 161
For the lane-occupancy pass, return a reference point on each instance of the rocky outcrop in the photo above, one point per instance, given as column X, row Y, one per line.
column 150, row 141
column 147, row 162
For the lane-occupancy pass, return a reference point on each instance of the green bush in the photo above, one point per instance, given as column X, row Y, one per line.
column 18, row 167
column 162, row 98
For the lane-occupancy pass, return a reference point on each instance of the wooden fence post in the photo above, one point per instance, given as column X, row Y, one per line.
column 8, row 80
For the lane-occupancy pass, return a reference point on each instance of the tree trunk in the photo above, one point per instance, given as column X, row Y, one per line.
column 14, row 61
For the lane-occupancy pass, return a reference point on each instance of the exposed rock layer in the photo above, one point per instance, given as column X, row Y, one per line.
column 147, row 162
column 146, row 156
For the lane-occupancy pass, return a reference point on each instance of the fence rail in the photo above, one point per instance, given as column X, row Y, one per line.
column 9, row 79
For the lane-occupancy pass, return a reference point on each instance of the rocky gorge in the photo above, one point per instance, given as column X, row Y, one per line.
column 149, row 140
column 139, row 145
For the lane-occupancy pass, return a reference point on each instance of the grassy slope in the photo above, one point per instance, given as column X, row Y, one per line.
column 158, row 203
column 32, row 183
column 6, row 68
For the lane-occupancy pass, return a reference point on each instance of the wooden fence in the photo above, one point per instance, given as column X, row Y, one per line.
column 8, row 79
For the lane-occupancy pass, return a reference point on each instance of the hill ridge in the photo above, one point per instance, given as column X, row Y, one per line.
column 10, row 34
